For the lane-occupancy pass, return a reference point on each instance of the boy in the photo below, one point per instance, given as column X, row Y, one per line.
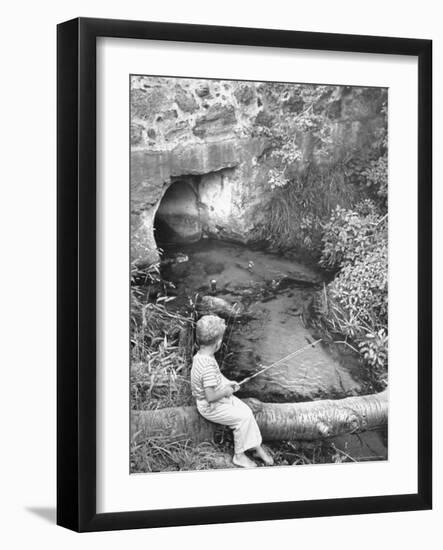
column 214, row 394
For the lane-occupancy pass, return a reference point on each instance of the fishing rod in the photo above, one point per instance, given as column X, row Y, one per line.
column 230, row 329
column 290, row 356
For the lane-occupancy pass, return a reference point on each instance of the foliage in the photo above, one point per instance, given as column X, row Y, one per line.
column 300, row 122
column 361, row 291
column 160, row 347
column 356, row 245
column 349, row 235
column 161, row 343
column 309, row 168
column 374, row 348
column 310, row 174
column 372, row 172
column 294, row 216
column 376, row 175
column 159, row 455
column 295, row 453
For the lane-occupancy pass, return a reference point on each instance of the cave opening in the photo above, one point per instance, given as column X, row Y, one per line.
column 178, row 218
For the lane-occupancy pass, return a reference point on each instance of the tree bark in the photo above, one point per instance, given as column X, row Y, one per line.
column 277, row 421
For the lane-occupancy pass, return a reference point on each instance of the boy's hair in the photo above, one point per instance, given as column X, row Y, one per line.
column 209, row 329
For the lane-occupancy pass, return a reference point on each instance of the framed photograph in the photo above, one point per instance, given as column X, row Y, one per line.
column 244, row 274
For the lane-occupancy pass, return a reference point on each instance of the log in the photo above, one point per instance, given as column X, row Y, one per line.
column 311, row 420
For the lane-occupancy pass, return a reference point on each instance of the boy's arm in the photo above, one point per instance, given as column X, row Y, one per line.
column 214, row 395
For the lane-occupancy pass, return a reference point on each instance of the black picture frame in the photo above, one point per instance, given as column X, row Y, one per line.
column 76, row 265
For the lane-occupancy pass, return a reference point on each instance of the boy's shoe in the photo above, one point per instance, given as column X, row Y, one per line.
column 242, row 461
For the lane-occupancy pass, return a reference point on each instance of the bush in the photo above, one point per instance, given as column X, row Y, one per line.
column 162, row 341
column 349, row 235
column 376, row 175
column 360, row 292
column 294, row 217
column 356, row 245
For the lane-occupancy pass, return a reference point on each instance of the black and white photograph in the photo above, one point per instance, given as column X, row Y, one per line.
column 221, row 246
column 258, row 274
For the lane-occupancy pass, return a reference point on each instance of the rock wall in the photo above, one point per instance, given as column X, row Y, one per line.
column 205, row 134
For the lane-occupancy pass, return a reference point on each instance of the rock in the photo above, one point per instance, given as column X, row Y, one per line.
column 204, row 158
column 181, row 258
column 136, row 133
column 180, row 129
column 151, row 170
column 264, row 118
column 202, row 90
column 146, row 104
column 213, row 305
column 169, row 115
column 219, row 119
column 185, row 100
column 177, row 130
column 244, row 94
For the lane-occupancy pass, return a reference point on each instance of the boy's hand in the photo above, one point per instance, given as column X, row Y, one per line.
column 228, row 391
column 235, row 387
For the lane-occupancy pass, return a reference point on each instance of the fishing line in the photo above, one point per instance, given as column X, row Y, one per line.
column 228, row 339
column 289, row 356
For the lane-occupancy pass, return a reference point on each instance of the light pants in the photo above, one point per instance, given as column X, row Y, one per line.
column 232, row 412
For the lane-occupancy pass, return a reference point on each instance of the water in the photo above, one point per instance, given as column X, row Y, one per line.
column 274, row 294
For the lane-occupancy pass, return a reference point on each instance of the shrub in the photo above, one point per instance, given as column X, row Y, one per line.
column 161, row 343
column 358, row 306
column 360, row 291
column 296, row 212
column 376, row 175
column 374, row 348
column 349, row 235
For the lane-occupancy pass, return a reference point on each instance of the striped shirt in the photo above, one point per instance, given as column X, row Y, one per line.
column 205, row 373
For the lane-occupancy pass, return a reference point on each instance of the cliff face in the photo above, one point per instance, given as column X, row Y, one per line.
column 206, row 137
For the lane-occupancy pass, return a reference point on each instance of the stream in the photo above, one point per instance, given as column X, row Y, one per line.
column 274, row 295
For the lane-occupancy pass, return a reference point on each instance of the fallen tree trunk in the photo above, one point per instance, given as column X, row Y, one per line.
column 277, row 421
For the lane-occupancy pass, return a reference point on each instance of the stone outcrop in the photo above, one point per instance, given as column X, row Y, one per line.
column 214, row 305
column 215, row 170
column 210, row 135
column 219, row 120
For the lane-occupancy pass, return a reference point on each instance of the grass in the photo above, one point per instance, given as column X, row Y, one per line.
column 160, row 455
column 295, row 214
column 162, row 343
